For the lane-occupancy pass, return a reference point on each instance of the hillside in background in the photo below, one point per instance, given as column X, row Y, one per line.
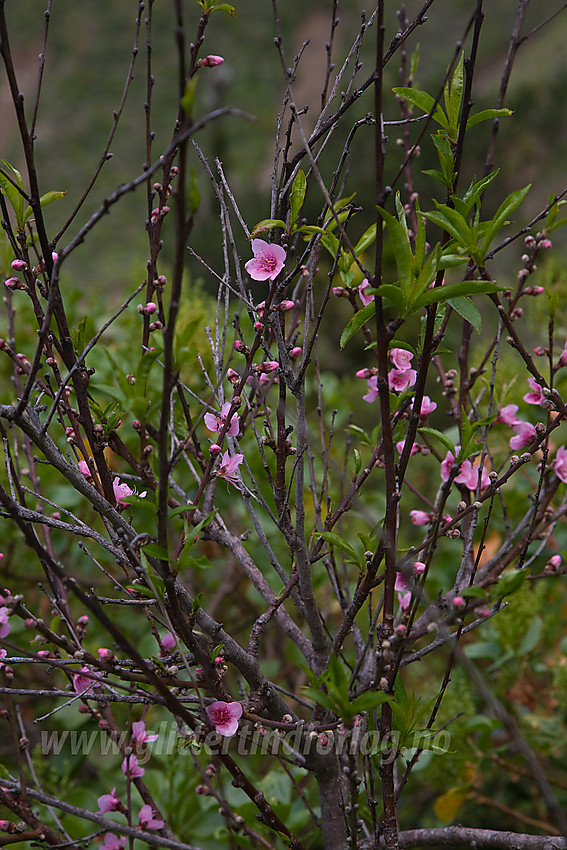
column 88, row 53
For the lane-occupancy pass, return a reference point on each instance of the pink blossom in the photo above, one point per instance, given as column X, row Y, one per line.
column 216, row 421
column 105, row 654
column 112, row 842
column 365, row 373
column 228, row 468
column 447, row 463
column 83, row 684
column 224, row 716
column 419, row 517
column 535, row 396
column 458, row 602
column 401, row 358
column 467, row 475
column 553, row 564
column 400, row 447
column 268, row 260
column 139, row 734
column 211, row 61
column 524, row 434
column 400, row 379
column 401, row 588
column 366, row 299
column 372, row 393
column 84, row 468
column 123, row 491
column 3, row 654
column 560, row 464
column 427, row 406
column 267, row 366
column 108, row 803
column 563, row 357
column 507, row 415
column 295, row 352
column 4, row 624
column 147, row 819
column 168, row 641
column 131, row 768
column 419, row 567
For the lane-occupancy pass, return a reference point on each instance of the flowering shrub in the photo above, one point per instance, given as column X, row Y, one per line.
column 289, row 608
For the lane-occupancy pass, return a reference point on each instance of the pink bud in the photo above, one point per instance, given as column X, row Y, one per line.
column 258, row 327
column 105, row 654
column 459, row 602
column 13, row 283
column 214, row 449
column 232, row 376
column 151, row 307
column 211, row 61
column 285, row 306
column 19, row 265
column 241, row 347
column 295, row 352
column 267, row 366
column 340, row 292
column 544, row 243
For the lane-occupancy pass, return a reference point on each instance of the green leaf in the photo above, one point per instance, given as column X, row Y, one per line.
column 424, row 102
column 465, row 308
column 403, row 255
column 454, row 290
column 297, row 197
column 474, row 593
column 46, row 199
column 357, row 321
column 505, row 209
column 488, row 115
column 224, row 7
column 391, row 292
column 267, row 224
column 14, row 193
column 321, row 698
column 339, row 542
column 439, row 435
column 453, row 94
column 454, row 223
column 152, row 550
column 366, row 702
column 366, row 239
column 182, row 509
column 510, row 582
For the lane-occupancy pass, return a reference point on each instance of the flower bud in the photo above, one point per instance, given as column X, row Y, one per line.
column 211, row 61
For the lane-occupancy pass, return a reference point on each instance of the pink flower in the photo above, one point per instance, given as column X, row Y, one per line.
column 419, row 517
column 427, row 406
column 400, row 447
column 168, row 641
column 560, row 464
column 563, row 357
column 553, row 564
column 211, row 61
column 3, row 654
column 524, row 434
column 108, row 803
column 224, row 716
column 139, row 734
column 401, row 358
column 366, row 299
column 467, row 475
column 507, row 414
column 404, row 595
column 228, row 468
column 447, row 464
column 400, row 379
column 268, row 260
column 535, row 396
column 84, row 468
column 112, row 842
column 4, row 624
column 372, row 393
column 147, row 819
column 216, row 421
column 123, row 491
column 131, row 768
column 83, row 684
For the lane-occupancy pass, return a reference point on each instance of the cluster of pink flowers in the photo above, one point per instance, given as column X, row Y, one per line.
column 468, row 473
column 402, row 587
column 401, row 377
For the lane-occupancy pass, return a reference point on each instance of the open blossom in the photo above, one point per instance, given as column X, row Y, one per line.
column 404, row 594
column 560, row 464
column 216, row 421
column 524, row 434
column 401, row 358
column 507, row 414
column 4, row 624
column 535, row 396
column 147, row 819
column 228, row 468
column 467, row 475
column 3, row 655
column 225, row 716
column 139, row 734
column 400, row 379
column 112, row 842
column 268, row 260
column 83, row 684
column 131, row 768
column 108, row 803
column 123, row 491
column 372, row 393
column 168, row 642
column 427, row 406
column 366, row 299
